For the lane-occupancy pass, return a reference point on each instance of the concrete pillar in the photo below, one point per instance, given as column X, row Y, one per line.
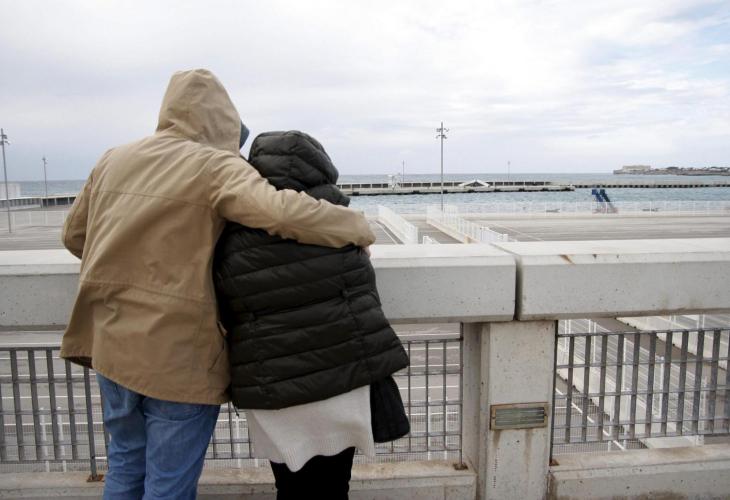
column 507, row 363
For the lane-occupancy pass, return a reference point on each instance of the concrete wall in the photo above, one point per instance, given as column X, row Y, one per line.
column 701, row 472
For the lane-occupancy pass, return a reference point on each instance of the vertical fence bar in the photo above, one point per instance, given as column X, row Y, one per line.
column 214, row 442
column 461, row 396
column 602, row 386
column 712, row 401
column 619, row 386
column 3, row 442
column 52, row 403
column 71, row 411
column 555, row 390
column 248, row 437
column 667, row 372
column 698, row 381
column 443, row 393
column 234, row 453
column 428, row 405
column 682, row 380
column 586, row 388
column 18, row 409
column 90, row 425
column 634, row 384
column 34, row 405
column 408, row 399
column 569, row 392
column 726, row 421
column 651, row 368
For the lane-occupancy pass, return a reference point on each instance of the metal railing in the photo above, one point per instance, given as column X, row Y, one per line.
column 469, row 232
column 592, row 207
column 551, row 208
column 51, row 218
column 51, row 416
column 624, row 387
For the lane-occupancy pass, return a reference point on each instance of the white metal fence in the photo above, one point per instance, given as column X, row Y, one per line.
column 469, row 232
column 403, row 230
column 548, row 208
column 51, row 218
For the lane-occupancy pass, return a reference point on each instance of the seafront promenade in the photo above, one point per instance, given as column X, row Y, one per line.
column 568, row 355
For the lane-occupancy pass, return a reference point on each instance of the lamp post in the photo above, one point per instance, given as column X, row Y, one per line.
column 45, row 181
column 3, row 142
column 442, row 135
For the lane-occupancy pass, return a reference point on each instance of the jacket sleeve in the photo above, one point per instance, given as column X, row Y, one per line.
column 74, row 228
column 240, row 194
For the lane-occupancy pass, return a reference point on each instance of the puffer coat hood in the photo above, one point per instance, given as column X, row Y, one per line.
column 304, row 322
column 295, row 160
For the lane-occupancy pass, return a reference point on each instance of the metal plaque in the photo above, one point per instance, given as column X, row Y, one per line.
column 518, row 416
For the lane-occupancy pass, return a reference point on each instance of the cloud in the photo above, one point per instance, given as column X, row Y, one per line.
column 551, row 85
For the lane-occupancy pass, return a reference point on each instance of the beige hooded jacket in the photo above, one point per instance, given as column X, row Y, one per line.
column 145, row 226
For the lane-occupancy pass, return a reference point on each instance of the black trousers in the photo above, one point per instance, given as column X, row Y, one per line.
column 323, row 478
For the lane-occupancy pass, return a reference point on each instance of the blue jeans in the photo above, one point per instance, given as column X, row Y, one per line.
column 156, row 448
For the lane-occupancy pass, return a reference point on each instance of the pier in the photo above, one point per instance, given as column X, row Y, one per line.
column 481, row 186
column 474, row 186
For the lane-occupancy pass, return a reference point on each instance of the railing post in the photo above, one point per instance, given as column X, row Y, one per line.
column 507, row 363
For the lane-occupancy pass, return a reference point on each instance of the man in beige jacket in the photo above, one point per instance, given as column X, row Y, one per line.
column 145, row 226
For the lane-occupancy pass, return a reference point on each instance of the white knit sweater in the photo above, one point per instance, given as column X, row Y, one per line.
column 294, row 435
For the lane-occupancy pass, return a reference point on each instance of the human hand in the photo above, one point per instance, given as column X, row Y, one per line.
column 367, row 250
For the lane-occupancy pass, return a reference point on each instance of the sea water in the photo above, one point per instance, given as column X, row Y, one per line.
column 37, row 188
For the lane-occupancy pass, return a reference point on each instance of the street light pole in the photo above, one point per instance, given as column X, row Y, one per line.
column 3, row 141
column 441, row 135
column 45, row 181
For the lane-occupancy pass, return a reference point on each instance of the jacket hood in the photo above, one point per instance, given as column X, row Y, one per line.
column 292, row 160
column 197, row 107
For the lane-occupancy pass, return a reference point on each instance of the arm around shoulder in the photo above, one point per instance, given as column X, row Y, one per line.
column 240, row 194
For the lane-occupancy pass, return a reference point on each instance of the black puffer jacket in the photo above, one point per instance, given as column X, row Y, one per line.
column 304, row 322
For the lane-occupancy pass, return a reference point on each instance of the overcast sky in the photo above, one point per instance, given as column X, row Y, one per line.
column 553, row 86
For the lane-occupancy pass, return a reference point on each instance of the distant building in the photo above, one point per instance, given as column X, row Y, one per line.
column 673, row 170
column 633, row 169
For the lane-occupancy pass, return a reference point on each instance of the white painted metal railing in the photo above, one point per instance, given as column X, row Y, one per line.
column 50, row 218
column 451, row 222
column 548, row 208
column 403, row 230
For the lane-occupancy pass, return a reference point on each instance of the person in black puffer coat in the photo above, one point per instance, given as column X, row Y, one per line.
column 304, row 322
column 307, row 333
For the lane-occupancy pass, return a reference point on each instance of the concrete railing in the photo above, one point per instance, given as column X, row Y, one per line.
column 507, row 297
column 401, row 228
